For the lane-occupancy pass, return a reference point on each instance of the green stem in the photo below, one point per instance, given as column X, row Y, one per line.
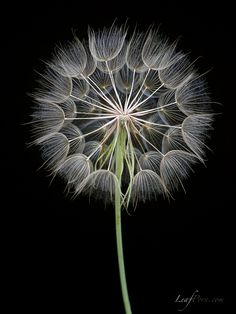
column 119, row 169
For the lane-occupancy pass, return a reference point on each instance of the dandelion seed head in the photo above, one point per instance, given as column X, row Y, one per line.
column 140, row 85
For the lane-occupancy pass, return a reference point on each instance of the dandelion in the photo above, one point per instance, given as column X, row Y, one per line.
column 122, row 119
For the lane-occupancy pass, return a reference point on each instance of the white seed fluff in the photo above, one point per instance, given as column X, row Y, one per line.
column 91, row 90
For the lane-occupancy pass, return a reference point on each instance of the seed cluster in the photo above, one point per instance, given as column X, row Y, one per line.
column 138, row 95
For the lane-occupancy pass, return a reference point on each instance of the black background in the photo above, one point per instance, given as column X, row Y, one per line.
column 68, row 264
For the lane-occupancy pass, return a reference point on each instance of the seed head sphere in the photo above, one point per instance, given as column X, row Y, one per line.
column 136, row 95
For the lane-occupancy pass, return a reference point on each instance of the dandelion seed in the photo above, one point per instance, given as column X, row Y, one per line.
column 70, row 61
column 147, row 184
column 75, row 169
column 121, row 118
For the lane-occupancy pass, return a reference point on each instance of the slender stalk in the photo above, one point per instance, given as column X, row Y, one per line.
column 119, row 169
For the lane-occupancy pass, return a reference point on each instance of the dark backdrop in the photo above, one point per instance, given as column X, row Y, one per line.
column 63, row 251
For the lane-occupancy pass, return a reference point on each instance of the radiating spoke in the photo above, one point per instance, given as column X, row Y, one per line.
column 114, row 86
column 89, row 103
column 148, row 111
column 157, row 124
column 146, row 140
column 139, row 91
column 94, row 131
column 138, row 104
column 131, row 91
